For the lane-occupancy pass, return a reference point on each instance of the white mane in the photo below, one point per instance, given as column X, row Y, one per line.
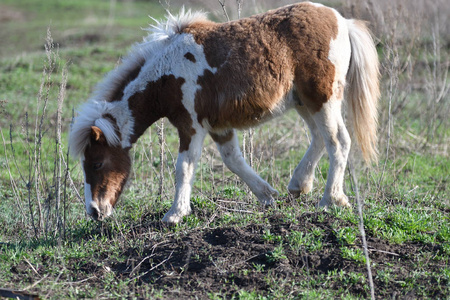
column 173, row 25
column 92, row 112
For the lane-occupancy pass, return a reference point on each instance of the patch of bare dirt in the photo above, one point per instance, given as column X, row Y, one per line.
column 230, row 259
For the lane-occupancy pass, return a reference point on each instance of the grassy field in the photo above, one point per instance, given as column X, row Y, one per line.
column 54, row 52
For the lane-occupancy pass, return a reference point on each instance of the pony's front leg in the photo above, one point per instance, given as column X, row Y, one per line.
column 184, row 177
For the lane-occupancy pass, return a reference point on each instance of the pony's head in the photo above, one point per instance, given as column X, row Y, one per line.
column 106, row 170
column 96, row 140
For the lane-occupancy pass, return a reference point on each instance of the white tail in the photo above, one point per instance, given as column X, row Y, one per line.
column 363, row 88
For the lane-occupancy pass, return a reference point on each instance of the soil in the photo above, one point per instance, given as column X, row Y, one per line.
column 228, row 260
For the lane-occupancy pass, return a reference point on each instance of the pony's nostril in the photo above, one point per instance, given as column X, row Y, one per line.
column 98, row 214
column 95, row 213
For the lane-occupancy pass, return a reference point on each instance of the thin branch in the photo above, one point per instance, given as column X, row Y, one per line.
column 382, row 251
column 239, row 4
column 222, row 3
column 161, row 158
column 58, row 154
column 140, row 263
column 32, row 267
column 152, row 268
column 237, row 210
column 362, row 231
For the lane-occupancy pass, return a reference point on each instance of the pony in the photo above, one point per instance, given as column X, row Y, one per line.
column 213, row 78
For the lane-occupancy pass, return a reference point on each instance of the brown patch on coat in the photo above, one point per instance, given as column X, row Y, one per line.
column 162, row 98
column 222, row 138
column 250, row 80
column 108, row 180
column 314, row 73
column 132, row 74
column 190, row 56
column 258, row 59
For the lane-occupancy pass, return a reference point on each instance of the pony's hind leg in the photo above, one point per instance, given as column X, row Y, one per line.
column 337, row 142
column 303, row 177
column 228, row 146
column 184, row 177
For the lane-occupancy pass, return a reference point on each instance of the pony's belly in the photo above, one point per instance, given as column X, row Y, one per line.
column 248, row 118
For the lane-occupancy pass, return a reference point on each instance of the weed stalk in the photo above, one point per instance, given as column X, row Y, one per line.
column 161, row 140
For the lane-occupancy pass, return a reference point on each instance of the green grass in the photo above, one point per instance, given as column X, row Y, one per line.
column 75, row 23
column 300, row 241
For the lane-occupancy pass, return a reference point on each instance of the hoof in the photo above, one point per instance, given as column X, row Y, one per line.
column 173, row 218
column 296, row 189
column 269, row 197
column 341, row 201
column 294, row 193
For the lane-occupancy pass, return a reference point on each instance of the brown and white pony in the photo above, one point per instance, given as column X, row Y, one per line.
column 214, row 78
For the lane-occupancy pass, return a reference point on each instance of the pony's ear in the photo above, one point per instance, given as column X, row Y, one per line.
column 97, row 135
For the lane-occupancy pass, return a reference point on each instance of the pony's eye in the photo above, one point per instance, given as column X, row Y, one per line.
column 97, row 166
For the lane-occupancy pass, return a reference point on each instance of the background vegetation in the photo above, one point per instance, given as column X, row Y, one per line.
column 54, row 52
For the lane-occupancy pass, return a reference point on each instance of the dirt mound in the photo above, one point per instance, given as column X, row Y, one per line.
column 232, row 259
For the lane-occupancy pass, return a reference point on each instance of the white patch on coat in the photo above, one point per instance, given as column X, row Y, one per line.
column 88, row 198
column 340, row 52
column 87, row 192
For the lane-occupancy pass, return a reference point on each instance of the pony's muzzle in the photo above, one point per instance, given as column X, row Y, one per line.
column 95, row 214
column 98, row 214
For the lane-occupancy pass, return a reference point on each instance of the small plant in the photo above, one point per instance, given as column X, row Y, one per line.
column 253, row 295
column 215, row 296
column 192, row 220
column 270, row 237
column 276, row 255
column 317, row 232
column 347, row 236
column 321, row 218
column 203, row 203
column 355, row 254
column 232, row 192
column 259, row 267
column 446, row 275
column 311, row 241
column 385, row 275
column 352, row 277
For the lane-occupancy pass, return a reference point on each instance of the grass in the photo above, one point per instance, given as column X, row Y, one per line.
column 75, row 23
column 229, row 247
